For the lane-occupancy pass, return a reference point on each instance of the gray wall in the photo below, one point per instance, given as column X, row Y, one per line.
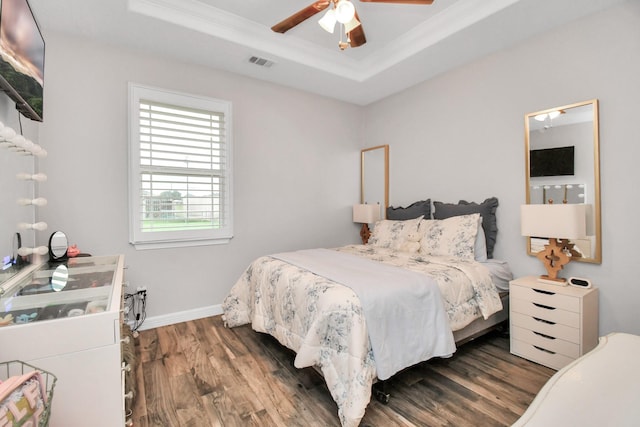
column 461, row 136
column 294, row 184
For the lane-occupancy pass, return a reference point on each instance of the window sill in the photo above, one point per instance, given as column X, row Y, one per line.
column 141, row 246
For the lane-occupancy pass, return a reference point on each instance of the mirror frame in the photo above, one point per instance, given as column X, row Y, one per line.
column 597, row 226
column 58, row 246
column 363, row 152
column 16, row 259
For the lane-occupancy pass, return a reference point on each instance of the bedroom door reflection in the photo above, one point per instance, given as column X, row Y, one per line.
column 374, row 177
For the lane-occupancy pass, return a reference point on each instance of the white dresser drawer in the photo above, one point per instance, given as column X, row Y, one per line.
column 546, row 298
column 549, row 324
column 556, row 330
column 539, row 354
column 547, row 342
column 544, row 312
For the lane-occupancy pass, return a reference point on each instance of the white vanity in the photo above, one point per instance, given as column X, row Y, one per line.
column 69, row 316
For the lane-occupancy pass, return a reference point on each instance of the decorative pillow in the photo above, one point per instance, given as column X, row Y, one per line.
column 412, row 242
column 486, row 209
column 480, row 247
column 412, row 211
column 454, row 237
column 397, row 235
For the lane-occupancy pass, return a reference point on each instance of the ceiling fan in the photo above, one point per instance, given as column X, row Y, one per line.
column 342, row 12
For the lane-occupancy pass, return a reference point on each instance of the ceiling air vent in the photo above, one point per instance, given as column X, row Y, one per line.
column 261, row 61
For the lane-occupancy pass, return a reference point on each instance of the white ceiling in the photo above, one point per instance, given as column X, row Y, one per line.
column 406, row 44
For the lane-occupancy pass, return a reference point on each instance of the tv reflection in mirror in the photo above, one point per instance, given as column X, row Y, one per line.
column 21, row 57
column 558, row 161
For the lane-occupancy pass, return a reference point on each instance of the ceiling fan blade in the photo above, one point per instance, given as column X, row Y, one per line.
column 400, row 1
column 357, row 34
column 301, row 16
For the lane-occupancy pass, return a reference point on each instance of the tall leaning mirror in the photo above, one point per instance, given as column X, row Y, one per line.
column 374, row 177
column 562, row 165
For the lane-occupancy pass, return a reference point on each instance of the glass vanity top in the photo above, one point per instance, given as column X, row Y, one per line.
column 52, row 290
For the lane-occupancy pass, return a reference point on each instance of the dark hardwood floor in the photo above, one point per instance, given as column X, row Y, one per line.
column 200, row 373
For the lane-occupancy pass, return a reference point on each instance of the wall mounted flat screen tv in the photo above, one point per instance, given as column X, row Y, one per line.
column 552, row 161
column 21, row 57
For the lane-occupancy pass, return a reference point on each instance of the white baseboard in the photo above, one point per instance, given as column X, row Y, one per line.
column 180, row 316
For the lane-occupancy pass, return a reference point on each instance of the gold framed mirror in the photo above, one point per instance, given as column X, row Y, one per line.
column 374, row 177
column 562, row 163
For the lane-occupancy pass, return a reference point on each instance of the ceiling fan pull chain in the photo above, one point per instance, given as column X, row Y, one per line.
column 341, row 44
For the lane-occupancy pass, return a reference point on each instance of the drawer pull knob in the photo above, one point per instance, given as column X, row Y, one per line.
column 549, row 337
column 546, row 307
column 544, row 349
column 548, row 322
column 540, row 291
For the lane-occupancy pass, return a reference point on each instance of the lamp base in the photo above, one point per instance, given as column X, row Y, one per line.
column 554, row 259
column 551, row 281
column 365, row 233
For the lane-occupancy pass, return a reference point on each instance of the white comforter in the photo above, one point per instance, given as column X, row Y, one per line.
column 324, row 323
column 396, row 315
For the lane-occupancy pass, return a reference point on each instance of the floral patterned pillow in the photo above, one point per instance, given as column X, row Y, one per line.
column 397, row 235
column 454, row 237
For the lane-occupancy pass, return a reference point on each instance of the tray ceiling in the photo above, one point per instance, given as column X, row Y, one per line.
column 406, row 44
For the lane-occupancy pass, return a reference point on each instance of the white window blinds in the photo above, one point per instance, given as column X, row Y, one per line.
column 181, row 169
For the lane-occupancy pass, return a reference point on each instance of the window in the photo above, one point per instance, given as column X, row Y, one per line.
column 180, row 169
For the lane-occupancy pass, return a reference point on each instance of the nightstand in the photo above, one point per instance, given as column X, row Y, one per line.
column 550, row 324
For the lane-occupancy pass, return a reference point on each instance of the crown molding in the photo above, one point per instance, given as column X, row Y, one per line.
column 201, row 17
column 197, row 16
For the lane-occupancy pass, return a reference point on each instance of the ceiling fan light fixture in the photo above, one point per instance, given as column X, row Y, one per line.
column 351, row 25
column 328, row 21
column 342, row 11
column 550, row 115
column 345, row 11
column 554, row 114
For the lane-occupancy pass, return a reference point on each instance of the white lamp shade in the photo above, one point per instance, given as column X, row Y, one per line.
column 366, row 214
column 562, row 221
column 345, row 11
column 552, row 115
column 328, row 21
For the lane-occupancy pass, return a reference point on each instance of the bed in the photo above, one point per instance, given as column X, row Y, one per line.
column 361, row 313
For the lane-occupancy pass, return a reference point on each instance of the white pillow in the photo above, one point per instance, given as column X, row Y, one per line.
column 397, row 235
column 453, row 237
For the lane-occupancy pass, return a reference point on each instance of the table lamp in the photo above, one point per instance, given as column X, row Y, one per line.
column 554, row 222
column 366, row 214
